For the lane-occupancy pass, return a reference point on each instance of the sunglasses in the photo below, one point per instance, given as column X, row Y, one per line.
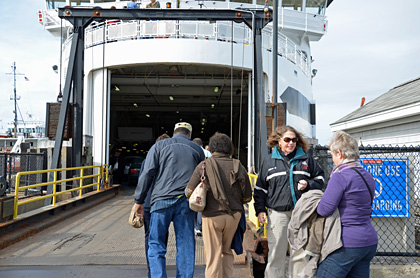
column 287, row 139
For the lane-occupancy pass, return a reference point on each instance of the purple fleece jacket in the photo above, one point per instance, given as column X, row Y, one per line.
column 347, row 191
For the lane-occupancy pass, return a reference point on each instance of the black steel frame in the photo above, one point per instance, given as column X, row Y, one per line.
column 80, row 18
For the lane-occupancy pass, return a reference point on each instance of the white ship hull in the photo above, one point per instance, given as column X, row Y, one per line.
column 141, row 77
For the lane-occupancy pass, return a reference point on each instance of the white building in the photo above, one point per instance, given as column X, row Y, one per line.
column 393, row 118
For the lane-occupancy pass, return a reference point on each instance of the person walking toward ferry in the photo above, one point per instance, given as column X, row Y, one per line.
column 198, row 215
column 229, row 189
column 350, row 189
column 154, row 4
column 132, row 5
column 167, row 169
column 287, row 173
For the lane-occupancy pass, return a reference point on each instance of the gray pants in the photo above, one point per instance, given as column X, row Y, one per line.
column 278, row 244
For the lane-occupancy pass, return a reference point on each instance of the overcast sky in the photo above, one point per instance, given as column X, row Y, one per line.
column 35, row 51
column 370, row 47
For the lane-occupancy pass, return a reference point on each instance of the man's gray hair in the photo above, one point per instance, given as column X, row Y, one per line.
column 341, row 141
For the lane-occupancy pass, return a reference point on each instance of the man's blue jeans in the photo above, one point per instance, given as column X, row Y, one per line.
column 147, row 215
column 347, row 262
column 183, row 221
column 198, row 221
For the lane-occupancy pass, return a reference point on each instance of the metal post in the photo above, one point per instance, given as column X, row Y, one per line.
column 275, row 60
column 75, row 78
column 77, row 141
column 58, row 143
column 260, row 149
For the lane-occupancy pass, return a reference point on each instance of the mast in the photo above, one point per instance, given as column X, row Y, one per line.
column 15, row 97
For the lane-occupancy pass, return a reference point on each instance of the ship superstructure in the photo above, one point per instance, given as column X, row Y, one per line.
column 143, row 76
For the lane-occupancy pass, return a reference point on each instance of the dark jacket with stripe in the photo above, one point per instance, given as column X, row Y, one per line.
column 277, row 177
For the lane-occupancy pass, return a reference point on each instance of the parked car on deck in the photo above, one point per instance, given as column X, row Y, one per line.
column 133, row 170
column 127, row 164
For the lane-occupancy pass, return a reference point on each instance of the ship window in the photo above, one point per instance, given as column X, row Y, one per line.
column 82, row 2
column 315, row 6
column 242, row 1
column 55, row 4
column 292, row 5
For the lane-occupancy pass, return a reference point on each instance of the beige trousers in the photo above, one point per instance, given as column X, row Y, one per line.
column 218, row 232
column 277, row 247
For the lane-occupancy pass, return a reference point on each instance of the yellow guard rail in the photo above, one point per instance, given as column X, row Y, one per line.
column 251, row 210
column 101, row 175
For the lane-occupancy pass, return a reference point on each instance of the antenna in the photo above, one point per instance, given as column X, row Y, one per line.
column 14, row 95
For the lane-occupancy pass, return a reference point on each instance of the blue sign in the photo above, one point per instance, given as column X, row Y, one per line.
column 391, row 194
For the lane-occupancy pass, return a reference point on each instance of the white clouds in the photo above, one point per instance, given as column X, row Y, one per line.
column 370, row 47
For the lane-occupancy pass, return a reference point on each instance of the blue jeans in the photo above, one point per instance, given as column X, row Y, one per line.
column 347, row 262
column 198, row 222
column 183, row 221
column 147, row 215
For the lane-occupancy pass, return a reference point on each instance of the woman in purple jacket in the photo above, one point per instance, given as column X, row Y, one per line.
column 351, row 190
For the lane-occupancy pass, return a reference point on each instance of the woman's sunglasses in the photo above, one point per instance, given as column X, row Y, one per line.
column 287, row 139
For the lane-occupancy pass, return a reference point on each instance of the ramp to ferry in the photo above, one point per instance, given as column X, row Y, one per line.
column 98, row 242
column 95, row 243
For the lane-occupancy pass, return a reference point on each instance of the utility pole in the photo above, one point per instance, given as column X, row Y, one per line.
column 15, row 97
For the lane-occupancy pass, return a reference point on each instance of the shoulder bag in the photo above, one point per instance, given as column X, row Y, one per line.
column 197, row 199
column 370, row 191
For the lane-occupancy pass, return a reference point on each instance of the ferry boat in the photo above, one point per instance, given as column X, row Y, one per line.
column 143, row 76
column 26, row 129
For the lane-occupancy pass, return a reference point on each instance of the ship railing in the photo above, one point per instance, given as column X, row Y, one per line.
column 295, row 20
column 49, row 18
column 112, row 31
column 84, row 179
